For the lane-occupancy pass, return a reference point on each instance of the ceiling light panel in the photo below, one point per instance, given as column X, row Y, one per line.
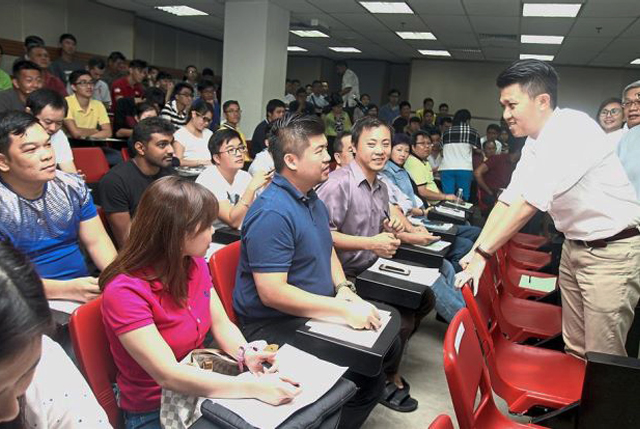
column 182, row 10
column 309, row 33
column 296, row 49
column 345, row 49
column 536, row 57
column 551, row 10
column 434, row 52
column 416, row 35
column 636, row 61
column 544, row 40
column 386, row 7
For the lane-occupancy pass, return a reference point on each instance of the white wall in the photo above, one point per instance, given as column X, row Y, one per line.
column 101, row 30
column 471, row 85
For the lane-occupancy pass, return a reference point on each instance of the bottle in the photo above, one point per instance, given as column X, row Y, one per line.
column 459, row 196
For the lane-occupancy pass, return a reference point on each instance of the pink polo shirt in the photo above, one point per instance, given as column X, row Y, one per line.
column 129, row 303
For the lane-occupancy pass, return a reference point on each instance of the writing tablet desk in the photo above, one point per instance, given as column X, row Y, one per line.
column 226, row 235
column 363, row 360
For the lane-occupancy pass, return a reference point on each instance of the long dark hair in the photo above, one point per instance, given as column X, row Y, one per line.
column 24, row 310
column 170, row 210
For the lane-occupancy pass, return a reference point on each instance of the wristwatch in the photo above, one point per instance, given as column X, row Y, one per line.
column 347, row 284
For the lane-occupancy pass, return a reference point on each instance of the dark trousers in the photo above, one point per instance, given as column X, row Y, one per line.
column 467, row 235
column 370, row 389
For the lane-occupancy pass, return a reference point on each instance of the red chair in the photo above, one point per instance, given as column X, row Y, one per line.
column 91, row 161
column 520, row 319
column 443, row 421
column 527, row 259
column 529, row 241
column 510, row 277
column 223, row 265
column 525, row 376
column 125, row 154
column 91, row 347
column 467, row 373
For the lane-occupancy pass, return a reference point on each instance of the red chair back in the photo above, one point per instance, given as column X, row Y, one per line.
column 91, row 347
column 443, row 421
column 223, row 265
column 92, row 162
column 125, row 154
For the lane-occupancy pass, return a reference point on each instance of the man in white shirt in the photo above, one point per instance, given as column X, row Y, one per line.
column 350, row 88
column 568, row 170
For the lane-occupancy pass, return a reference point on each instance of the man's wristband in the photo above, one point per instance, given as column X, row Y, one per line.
column 485, row 255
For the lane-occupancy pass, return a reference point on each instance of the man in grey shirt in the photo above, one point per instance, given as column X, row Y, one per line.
column 27, row 78
column 66, row 63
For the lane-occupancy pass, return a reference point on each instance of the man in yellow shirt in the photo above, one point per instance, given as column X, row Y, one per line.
column 86, row 117
column 420, row 171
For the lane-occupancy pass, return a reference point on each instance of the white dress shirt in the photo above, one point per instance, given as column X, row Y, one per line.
column 571, row 171
column 350, row 80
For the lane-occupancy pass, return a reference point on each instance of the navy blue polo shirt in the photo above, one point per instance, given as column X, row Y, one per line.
column 284, row 231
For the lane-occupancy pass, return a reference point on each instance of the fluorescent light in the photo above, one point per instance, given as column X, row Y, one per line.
column 435, row 52
column 536, row 57
column 386, row 7
column 551, row 10
column 345, row 49
column 182, row 10
column 296, row 49
column 416, row 35
column 546, row 40
column 309, row 33
column 636, row 61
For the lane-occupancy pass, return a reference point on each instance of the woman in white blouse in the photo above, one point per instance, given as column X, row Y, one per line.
column 39, row 385
column 191, row 141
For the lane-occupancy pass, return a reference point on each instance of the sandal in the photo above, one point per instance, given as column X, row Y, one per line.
column 398, row 399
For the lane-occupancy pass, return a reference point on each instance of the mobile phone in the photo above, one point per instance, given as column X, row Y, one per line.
column 395, row 270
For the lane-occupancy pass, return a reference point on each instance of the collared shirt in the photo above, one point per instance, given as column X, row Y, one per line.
column 122, row 88
column 284, row 231
column 130, row 303
column 388, row 113
column 171, row 113
column 629, row 154
column 95, row 114
column 457, row 144
column 572, row 172
column 46, row 228
column 401, row 179
column 421, row 173
column 52, row 82
column 101, row 92
column 350, row 80
column 396, row 196
column 355, row 208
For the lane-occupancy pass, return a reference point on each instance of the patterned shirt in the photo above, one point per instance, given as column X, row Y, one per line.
column 457, row 145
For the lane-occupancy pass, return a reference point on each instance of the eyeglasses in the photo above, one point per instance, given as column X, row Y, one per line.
column 204, row 118
column 232, row 151
column 613, row 112
column 628, row 103
column 85, row 83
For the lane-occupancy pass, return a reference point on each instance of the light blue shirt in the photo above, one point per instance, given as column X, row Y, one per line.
column 629, row 154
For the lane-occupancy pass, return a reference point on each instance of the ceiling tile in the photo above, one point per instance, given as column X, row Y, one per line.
column 493, row 8
column 539, row 49
column 546, row 26
column 399, row 22
column 500, row 54
column 492, row 24
column 589, row 44
column 444, row 24
column 610, row 9
column 600, row 27
column 437, row 7
column 633, row 30
column 459, row 40
column 365, row 22
column 338, row 6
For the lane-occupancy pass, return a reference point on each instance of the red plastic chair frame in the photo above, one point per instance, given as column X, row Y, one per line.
column 223, row 265
column 91, row 161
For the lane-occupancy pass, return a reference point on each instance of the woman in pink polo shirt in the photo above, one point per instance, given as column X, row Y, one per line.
column 159, row 303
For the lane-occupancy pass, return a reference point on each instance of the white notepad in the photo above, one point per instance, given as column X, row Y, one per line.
column 541, row 284
column 420, row 275
column 449, row 211
column 438, row 227
column 316, row 377
column 63, row 305
column 342, row 331
column 436, row 246
column 462, row 204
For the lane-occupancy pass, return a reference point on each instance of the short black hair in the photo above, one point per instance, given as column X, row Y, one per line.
column 401, row 138
column 115, row 56
column 137, row 64
column 43, row 97
column 205, row 84
column 154, row 125
column 295, row 81
column 13, row 123
column 427, row 99
column 154, row 96
column 145, row 106
column 228, row 103
column 443, row 105
column 97, row 63
column 273, row 104
column 201, row 107
column 190, row 66
column 316, row 81
column 608, row 101
column 20, row 65
column 291, row 135
column 164, row 75
column 365, row 95
column 207, row 72
column 76, row 74
column 219, row 138
column 493, row 127
column 179, row 87
column 403, row 104
column 428, row 111
column 366, row 123
column 443, row 119
column 393, row 91
column 301, row 91
column 534, row 76
column 342, row 63
column 414, row 136
column 415, row 119
column 461, row 116
column 337, row 143
column 435, row 131
column 68, row 36
column 151, row 67
column 33, row 40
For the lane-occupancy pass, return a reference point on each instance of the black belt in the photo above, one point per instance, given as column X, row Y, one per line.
column 627, row 233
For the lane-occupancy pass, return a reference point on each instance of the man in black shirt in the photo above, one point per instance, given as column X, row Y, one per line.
column 275, row 110
column 121, row 188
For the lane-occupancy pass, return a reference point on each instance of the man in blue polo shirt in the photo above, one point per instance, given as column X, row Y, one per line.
column 288, row 268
